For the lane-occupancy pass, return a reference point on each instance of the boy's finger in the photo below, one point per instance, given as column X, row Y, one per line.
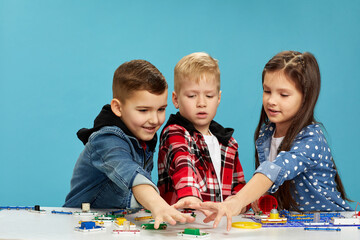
column 170, row 220
column 157, row 223
column 179, row 218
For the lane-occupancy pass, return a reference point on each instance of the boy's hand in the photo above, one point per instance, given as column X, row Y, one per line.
column 191, row 202
column 170, row 215
column 161, row 211
column 255, row 206
column 187, row 202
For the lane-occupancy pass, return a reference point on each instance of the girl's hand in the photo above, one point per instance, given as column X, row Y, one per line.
column 191, row 202
column 230, row 207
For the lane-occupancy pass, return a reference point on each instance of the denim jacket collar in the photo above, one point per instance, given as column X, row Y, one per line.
column 107, row 118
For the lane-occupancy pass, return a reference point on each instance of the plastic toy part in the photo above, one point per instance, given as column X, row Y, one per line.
column 85, row 207
column 89, row 227
column 118, row 212
column 61, row 212
column 143, row 218
column 274, row 218
column 246, row 225
column 108, row 217
column 267, row 202
column 133, row 231
column 193, row 233
column 274, row 214
column 37, row 209
column 345, row 221
column 322, row 229
column 150, row 226
column 16, row 208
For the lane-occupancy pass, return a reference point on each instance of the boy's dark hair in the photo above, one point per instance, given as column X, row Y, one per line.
column 137, row 75
column 303, row 70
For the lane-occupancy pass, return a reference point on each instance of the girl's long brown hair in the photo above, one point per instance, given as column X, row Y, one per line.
column 303, row 69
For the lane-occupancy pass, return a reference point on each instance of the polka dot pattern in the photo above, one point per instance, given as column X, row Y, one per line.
column 308, row 165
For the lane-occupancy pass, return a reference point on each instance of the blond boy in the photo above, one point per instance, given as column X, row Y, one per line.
column 198, row 158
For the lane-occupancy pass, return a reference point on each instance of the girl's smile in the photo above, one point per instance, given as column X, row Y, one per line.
column 281, row 100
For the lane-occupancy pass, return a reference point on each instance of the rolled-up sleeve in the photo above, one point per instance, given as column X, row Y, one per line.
column 116, row 161
column 303, row 155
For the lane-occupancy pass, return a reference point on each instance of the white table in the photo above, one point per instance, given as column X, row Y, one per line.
column 22, row 224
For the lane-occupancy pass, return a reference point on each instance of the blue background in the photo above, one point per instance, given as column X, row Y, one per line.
column 57, row 60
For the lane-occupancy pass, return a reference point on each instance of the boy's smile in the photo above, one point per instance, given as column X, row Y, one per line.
column 143, row 113
column 198, row 101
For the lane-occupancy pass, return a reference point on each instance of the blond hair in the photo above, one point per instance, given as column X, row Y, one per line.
column 194, row 66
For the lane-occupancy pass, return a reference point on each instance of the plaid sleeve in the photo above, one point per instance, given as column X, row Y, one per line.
column 238, row 176
column 233, row 175
column 177, row 165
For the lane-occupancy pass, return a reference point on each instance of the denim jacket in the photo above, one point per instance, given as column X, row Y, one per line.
column 106, row 170
column 308, row 165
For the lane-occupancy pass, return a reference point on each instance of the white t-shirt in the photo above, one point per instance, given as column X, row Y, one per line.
column 275, row 143
column 215, row 155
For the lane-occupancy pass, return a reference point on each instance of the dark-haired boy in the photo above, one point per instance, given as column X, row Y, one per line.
column 114, row 169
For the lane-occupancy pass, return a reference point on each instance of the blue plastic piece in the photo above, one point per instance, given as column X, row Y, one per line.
column 16, row 208
column 88, row 225
column 61, row 212
column 322, row 229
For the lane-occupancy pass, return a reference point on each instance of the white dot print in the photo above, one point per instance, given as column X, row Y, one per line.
column 301, row 198
column 301, row 184
column 316, row 147
column 311, row 133
column 312, row 196
column 293, row 156
column 300, row 163
column 306, row 190
column 307, row 146
column 295, row 168
column 295, row 148
column 287, row 161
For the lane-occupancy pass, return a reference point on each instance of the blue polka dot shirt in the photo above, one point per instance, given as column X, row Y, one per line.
column 308, row 165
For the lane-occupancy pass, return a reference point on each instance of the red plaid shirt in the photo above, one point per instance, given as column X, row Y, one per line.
column 185, row 167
